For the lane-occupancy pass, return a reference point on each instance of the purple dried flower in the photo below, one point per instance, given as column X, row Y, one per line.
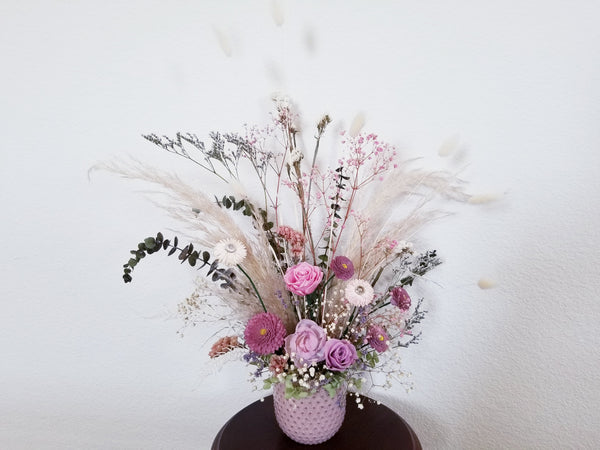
column 264, row 333
column 400, row 298
column 305, row 346
column 378, row 338
column 342, row 267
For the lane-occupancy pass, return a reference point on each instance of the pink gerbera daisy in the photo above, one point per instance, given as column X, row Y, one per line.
column 264, row 333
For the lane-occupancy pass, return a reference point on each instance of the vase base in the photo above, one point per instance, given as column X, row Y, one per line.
column 311, row 420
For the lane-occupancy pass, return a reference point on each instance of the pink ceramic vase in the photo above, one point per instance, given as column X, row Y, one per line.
column 309, row 420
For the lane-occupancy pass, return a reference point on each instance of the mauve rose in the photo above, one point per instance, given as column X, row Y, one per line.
column 305, row 346
column 339, row 355
column 302, row 279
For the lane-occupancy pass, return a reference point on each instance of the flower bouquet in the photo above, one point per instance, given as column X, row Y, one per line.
column 308, row 269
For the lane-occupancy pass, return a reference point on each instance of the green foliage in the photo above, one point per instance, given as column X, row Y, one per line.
column 372, row 358
column 152, row 245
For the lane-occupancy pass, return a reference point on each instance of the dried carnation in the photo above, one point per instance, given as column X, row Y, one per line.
column 400, row 298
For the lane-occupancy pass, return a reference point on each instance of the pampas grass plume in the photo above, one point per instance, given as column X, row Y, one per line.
column 357, row 123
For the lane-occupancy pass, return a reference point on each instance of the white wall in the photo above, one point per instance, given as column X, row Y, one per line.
column 88, row 362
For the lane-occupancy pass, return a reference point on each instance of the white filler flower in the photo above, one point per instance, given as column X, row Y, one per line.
column 230, row 252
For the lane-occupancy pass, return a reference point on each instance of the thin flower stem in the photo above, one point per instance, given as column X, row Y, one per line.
column 383, row 305
column 349, row 322
column 253, row 286
column 322, row 299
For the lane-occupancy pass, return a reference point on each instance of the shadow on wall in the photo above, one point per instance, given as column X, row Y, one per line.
column 430, row 429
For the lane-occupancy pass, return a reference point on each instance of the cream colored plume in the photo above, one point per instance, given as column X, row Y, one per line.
column 277, row 12
column 206, row 224
column 399, row 206
column 223, row 41
column 486, row 283
column 357, row 124
column 449, row 146
column 483, row 198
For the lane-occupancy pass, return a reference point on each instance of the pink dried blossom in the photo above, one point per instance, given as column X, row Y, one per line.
column 378, row 338
column 400, row 298
column 277, row 364
column 294, row 238
column 264, row 333
column 223, row 345
column 342, row 267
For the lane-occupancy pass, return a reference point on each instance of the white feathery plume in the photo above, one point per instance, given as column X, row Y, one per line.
column 223, row 41
column 449, row 146
column 208, row 224
column 398, row 208
column 357, row 123
column 483, row 198
column 486, row 283
column 277, row 12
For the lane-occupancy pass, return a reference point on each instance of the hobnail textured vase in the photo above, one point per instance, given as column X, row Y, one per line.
column 309, row 420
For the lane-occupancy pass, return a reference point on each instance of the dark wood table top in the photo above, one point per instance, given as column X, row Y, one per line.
column 374, row 427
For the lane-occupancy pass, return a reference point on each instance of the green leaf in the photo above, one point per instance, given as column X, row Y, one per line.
column 150, row 242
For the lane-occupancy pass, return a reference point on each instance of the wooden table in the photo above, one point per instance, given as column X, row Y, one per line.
column 374, row 427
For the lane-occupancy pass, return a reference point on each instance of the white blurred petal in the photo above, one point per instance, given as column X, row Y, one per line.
column 483, row 198
column 357, row 123
column 486, row 283
column 449, row 146
column 277, row 12
column 224, row 42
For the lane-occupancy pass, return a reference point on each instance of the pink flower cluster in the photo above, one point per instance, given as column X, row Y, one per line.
column 367, row 148
column 223, row 345
column 294, row 238
column 277, row 364
column 309, row 345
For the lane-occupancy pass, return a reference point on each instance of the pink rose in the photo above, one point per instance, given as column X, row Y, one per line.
column 302, row 279
column 305, row 346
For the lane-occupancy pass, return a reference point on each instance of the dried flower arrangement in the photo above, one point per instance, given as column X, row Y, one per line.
column 312, row 278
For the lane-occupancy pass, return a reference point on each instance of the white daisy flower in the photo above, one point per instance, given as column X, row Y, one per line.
column 359, row 293
column 230, row 252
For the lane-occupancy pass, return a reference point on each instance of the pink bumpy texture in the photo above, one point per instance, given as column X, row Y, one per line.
column 309, row 420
